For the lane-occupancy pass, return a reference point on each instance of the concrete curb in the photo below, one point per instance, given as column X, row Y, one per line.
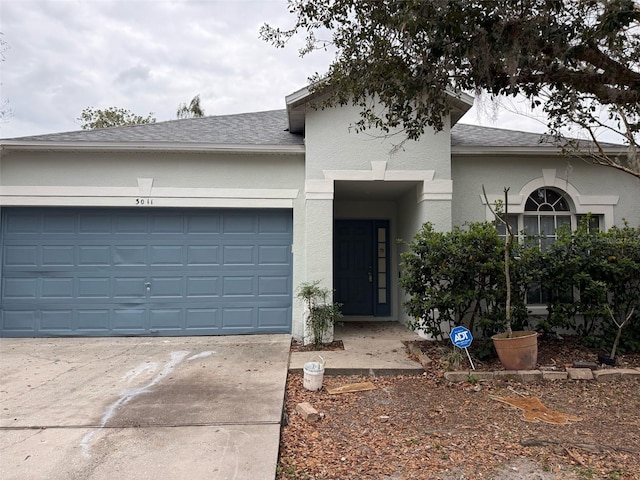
column 368, row 372
column 525, row 376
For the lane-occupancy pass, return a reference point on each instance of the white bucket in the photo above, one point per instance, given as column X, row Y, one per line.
column 313, row 375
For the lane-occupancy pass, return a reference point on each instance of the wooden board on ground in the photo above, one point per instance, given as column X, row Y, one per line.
column 352, row 387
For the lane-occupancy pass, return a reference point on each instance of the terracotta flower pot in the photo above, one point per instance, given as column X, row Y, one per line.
column 518, row 352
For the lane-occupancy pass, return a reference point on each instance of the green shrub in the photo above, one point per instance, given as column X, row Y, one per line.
column 460, row 275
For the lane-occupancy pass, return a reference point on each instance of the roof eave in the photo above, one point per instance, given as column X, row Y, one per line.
column 461, row 103
column 149, row 147
column 543, row 150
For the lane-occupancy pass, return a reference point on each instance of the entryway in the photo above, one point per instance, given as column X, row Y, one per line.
column 361, row 267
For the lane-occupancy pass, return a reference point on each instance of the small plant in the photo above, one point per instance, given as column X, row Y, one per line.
column 453, row 359
column 472, row 379
column 321, row 316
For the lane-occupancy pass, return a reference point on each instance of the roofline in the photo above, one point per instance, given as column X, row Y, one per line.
column 542, row 150
column 461, row 103
column 17, row 145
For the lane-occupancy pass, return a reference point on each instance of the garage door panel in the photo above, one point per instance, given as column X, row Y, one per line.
column 269, row 317
column 59, row 224
column 94, row 288
column 94, row 255
column 162, row 255
column 56, row 320
column 130, row 255
column 204, row 224
column 238, row 224
column 20, row 288
column 273, row 286
column 130, row 224
column 58, row 255
column 238, row 255
column 202, row 318
column 91, row 222
column 152, row 272
column 167, row 224
column 58, row 288
column 165, row 318
column 206, row 255
column 129, row 319
column 237, row 318
column 167, row 287
column 203, row 287
column 19, row 321
column 21, row 256
column 94, row 320
column 274, row 254
column 129, row 287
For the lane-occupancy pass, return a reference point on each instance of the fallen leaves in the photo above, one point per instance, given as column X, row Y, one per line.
column 419, row 427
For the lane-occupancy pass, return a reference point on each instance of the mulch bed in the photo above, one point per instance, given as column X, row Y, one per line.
column 553, row 354
column 422, row 427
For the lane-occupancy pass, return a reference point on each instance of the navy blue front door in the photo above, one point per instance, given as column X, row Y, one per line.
column 353, row 266
column 361, row 267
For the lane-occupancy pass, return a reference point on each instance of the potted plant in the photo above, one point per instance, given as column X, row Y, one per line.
column 517, row 350
column 320, row 315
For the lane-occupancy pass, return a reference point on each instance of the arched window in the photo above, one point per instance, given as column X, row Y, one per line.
column 545, row 212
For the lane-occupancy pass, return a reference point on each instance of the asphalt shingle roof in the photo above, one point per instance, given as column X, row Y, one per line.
column 258, row 128
column 475, row 136
column 263, row 129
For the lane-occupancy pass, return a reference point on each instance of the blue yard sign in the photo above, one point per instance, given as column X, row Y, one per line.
column 462, row 338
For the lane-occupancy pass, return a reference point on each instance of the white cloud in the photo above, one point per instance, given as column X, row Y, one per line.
column 149, row 56
column 143, row 55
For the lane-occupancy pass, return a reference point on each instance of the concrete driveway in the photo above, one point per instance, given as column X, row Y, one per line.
column 157, row 408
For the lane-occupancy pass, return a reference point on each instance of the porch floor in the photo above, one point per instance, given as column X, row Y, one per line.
column 370, row 348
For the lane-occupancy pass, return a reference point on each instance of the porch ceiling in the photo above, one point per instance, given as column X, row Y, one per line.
column 371, row 190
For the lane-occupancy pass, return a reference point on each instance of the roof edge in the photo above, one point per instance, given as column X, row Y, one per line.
column 461, row 103
column 510, row 150
column 149, row 147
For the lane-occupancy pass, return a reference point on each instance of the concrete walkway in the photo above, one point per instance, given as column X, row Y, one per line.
column 370, row 348
column 156, row 408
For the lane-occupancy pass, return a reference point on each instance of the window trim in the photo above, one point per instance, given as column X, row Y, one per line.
column 583, row 204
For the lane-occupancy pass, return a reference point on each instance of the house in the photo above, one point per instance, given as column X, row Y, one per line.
column 207, row 226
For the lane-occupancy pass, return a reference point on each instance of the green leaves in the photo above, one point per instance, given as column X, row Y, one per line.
column 111, row 117
column 589, row 276
column 566, row 56
column 454, row 277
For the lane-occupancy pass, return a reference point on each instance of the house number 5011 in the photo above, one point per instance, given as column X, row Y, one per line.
column 144, row 201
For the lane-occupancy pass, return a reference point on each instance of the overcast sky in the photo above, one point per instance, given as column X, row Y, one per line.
column 148, row 56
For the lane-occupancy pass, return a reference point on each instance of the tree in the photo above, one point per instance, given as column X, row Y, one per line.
column 92, row 119
column 194, row 109
column 577, row 59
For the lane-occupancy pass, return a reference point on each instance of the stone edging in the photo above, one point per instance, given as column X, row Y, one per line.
column 607, row 375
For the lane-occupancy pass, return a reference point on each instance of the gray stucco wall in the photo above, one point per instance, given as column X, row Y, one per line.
column 469, row 173
column 331, row 144
column 168, row 169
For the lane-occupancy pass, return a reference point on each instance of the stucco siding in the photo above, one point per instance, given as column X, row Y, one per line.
column 469, row 173
column 167, row 169
column 332, row 144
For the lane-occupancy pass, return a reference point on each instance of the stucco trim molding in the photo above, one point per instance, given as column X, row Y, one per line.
column 583, row 204
column 146, row 195
column 431, row 189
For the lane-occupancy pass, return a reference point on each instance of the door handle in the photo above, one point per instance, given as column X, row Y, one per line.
column 370, row 275
column 147, row 286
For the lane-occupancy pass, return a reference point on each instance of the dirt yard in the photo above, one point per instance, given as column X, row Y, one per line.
column 422, row 427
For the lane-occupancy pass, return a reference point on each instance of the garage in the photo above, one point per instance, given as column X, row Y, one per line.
column 145, row 271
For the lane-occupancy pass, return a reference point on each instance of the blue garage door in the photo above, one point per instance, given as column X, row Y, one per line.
column 107, row 272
